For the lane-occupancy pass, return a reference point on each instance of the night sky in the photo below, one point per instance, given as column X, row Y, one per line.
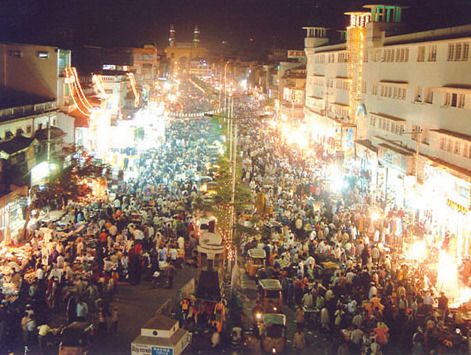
column 270, row 23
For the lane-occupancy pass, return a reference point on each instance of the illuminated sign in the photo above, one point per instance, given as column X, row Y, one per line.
column 296, row 54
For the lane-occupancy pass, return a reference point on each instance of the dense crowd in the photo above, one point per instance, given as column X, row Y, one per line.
column 341, row 267
column 144, row 230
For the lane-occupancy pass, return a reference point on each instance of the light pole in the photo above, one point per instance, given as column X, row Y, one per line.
column 225, row 77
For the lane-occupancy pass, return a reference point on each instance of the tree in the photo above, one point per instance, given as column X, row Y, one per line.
column 66, row 185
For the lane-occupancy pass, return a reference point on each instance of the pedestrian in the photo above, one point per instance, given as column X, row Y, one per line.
column 299, row 341
column 299, row 317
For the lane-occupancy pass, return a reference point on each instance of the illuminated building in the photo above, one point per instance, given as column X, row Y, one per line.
column 145, row 66
column 406, row 98
column 291, row 84
column 35, row 128
column 180, row 54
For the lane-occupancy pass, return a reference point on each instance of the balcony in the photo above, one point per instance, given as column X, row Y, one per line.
column 27, row 110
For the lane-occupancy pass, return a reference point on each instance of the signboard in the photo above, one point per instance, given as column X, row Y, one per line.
column 144, row 349
column 292, row 53
column 459, row 194
column 161, row 351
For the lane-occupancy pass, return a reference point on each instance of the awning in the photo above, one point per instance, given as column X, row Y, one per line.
column 365, row 145
column 387, row 117
column 402, row 84
column 396, row 150
column 446, row 132
column 459, row 89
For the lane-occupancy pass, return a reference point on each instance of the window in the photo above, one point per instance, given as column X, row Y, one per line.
column 378, row 55
column 465, row 150
column 442, row 143
column 421, row 54
column 363, row 86
column 428, row 95
column 451, row 50
column 454, row 99
column 15, row 53
column 432, row 53
column 457, row 148
column 43, row 55
column 418, row 94
column 458, row 51
column 372, row 121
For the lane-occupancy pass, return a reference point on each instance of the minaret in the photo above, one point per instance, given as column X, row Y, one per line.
column 171, row 39
column 196, row 37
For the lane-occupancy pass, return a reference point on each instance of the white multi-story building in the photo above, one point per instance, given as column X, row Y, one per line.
column 405, row 101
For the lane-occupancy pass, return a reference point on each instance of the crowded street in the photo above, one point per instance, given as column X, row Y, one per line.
column 347, row 284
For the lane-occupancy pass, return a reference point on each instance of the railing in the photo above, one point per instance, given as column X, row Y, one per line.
column 26, row 110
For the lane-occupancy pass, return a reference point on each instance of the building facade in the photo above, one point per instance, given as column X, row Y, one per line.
column 404, row 101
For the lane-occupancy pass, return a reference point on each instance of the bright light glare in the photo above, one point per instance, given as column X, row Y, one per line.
column 447, row 275
column 167, row 85
column 416, row 251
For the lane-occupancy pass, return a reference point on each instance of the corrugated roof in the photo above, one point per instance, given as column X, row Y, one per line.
column 16, row 144
column 43, row 134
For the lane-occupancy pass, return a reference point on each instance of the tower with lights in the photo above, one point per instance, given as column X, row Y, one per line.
column 171, row 38
column 196, row 36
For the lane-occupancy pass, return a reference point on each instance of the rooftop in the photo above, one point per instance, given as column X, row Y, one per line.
column 11, row 98
column 15, row 144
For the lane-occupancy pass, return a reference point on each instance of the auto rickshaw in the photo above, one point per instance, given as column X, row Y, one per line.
column 76, row 338
column 270, row 295
column 255, row 261
column 273, row 332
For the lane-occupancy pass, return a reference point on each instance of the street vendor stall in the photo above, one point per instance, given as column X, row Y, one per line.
column 161, row 335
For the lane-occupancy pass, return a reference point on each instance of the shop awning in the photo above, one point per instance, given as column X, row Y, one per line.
column 396, row 150
column 454, row 170
column 402, row 84
column 387, row 117
column 446, row 132
column 459, row 89
column 366, row 143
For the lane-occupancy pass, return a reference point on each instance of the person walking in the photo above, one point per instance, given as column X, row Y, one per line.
column 299, row 341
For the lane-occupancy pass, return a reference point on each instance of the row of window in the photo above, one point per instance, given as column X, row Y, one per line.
column 19, row 54
column 338, row 110
column 386, row 125
column 455, row 146
column 342, row 84
column 456, row 52
column 398, row 55
column 454, row 99
column 431, row 53
column 392, row 92
column 9, row 134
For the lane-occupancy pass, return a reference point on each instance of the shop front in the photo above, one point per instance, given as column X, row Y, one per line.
column 11, row 213
column 367, row 164
column 392, row 180
column 445, row 208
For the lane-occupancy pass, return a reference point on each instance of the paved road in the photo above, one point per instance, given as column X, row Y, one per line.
column 136, row 305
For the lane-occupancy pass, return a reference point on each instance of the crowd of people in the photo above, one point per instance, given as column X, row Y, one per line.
column 341, row 267
column 69, row 269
